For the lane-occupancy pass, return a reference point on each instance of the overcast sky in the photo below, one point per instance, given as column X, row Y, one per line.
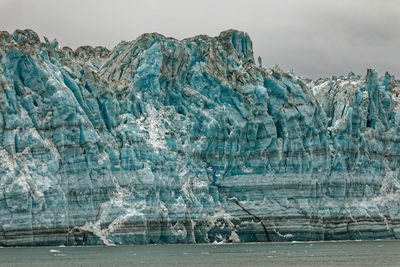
column 313, row 37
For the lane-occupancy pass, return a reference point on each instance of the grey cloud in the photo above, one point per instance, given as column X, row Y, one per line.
column 313, row 37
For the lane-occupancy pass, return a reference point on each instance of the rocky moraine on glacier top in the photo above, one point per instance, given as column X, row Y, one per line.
column 191, row 141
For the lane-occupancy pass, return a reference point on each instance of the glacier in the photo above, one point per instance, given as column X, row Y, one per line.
column 190, row 141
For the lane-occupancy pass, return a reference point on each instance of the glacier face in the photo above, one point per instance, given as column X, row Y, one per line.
column 167, row 141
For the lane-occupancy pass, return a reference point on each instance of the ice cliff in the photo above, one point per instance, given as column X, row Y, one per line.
column 167, row 141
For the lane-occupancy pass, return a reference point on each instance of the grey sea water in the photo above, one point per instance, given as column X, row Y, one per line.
column 350, row 253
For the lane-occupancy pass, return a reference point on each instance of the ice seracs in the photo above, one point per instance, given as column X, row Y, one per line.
column 167, row 141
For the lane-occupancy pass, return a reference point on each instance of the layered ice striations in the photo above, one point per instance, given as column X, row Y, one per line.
column 167, row 141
